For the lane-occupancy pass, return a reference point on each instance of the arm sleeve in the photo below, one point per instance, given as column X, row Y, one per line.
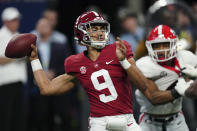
column 68, row 65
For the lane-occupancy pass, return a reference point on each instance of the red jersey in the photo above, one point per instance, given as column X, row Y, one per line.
column 104, row 80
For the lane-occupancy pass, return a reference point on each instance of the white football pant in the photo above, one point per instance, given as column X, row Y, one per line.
column 124, row 122
column 177, row 123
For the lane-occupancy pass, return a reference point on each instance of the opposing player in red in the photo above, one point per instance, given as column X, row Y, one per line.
column 168, row 68
column 104, row 71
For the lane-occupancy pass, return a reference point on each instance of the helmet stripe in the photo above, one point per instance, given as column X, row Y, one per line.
column 159, row 29
column 96, row 14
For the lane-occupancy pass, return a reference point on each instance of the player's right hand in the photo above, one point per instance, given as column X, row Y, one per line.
column 34, row 53
column 182, row 86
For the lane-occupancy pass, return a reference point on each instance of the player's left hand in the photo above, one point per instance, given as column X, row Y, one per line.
column 189, row 70
column 120, row 49
column 182, row 86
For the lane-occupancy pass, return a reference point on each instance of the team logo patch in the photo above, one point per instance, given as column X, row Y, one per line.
column 96, row 65
column 83, row 69
column 163, row 74
column 108, row 62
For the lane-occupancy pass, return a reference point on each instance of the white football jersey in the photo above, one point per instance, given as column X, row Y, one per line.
column 164, row 78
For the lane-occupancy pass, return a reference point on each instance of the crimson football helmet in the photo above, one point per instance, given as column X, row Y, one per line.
column 86, row 21
column 162, row 34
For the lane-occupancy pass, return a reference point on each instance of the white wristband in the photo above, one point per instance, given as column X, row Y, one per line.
column 35, row 64
column 125, row 64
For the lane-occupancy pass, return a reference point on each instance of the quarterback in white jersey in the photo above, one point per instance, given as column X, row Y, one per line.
column 163, row 66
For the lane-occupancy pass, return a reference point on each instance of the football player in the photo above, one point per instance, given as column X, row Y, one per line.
column 104, row 72
column 170, row 70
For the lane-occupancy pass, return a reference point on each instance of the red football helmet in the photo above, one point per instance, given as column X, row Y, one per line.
column 161, row 34
column 85, row 21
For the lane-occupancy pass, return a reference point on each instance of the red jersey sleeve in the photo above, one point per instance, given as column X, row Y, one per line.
column 129, row 53
column 68, row 65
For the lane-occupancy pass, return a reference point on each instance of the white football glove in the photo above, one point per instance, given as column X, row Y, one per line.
column 189, row 70
column 182, row 85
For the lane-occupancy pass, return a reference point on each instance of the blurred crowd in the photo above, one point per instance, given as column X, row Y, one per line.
column 26, row 110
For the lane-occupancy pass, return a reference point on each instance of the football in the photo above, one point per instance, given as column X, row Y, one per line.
column 20, row 45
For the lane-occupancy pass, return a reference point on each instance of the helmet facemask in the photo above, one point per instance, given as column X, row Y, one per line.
column 169, row 53
column 88, row 29
column 162, row 34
